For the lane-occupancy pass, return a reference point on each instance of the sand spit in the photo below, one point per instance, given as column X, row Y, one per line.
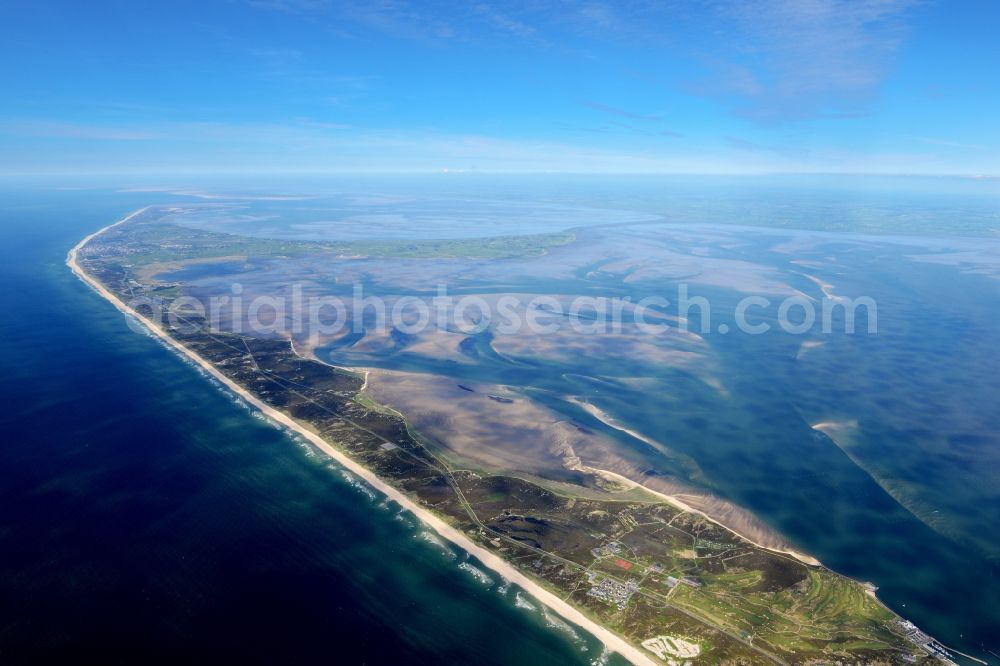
column 687, row 505
column 611, row 640
column 825, row 287
column 739, row 522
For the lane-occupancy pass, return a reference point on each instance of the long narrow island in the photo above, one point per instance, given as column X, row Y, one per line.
column 656, row 581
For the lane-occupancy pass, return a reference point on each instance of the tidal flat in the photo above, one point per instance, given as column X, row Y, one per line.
column 732, row 419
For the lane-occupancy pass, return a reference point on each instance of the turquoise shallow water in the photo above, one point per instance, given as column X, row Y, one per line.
column 147, row 518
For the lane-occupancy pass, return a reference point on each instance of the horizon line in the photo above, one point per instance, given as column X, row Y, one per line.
column 446, row 172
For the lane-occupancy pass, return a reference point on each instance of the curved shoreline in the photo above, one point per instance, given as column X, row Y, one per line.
column 676, row 502
column 611, row 640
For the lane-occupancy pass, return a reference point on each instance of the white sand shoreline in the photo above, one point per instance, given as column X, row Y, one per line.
column 612, row 641
column 676, row 502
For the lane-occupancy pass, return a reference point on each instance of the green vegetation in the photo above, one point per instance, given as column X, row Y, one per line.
column 151, row 242
column 500, row 247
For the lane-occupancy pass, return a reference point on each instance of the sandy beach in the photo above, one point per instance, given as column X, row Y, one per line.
column 675, row 501
column 612, row 641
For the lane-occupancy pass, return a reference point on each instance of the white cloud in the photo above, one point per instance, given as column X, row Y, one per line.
column 64, row 130
column 931, row 141
column 805, row 58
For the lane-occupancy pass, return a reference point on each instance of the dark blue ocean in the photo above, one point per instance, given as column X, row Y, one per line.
column 146, row 517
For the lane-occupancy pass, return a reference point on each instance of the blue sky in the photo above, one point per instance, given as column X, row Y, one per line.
column 863, row 86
